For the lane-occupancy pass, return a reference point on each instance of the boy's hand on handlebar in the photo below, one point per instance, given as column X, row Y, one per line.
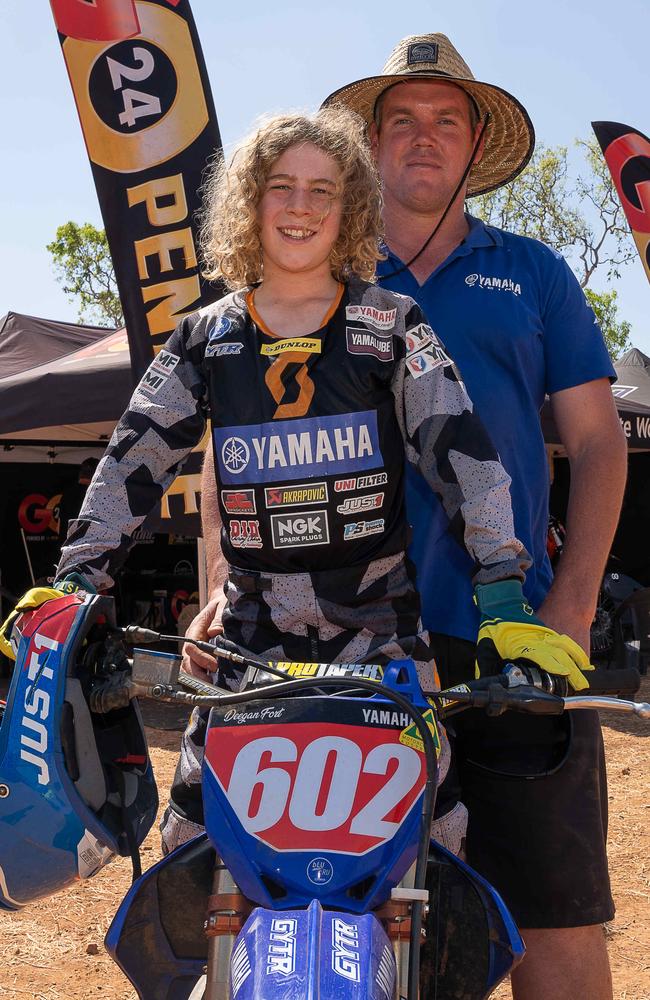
column 510, row 630
column 206, row 625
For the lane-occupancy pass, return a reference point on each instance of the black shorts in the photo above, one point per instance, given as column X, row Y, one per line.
column 536, row 793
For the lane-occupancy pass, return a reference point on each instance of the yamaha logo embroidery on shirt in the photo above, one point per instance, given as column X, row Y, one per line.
column 503, row 284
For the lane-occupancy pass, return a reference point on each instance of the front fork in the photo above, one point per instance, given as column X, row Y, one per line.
column 226, row 918
column 224, row 922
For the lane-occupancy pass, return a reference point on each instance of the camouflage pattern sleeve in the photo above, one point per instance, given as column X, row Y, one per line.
column 164, row 421
column 447, row 442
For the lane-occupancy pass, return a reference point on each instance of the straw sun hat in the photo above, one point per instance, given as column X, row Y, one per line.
column 509, row 138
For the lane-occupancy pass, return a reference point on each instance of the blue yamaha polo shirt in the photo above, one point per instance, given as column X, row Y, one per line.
column 515, row 321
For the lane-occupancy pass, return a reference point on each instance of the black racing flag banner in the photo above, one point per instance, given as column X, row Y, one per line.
column 627, row 153
column 149, row 123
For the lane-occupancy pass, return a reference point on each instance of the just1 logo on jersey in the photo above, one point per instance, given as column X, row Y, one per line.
column 332, row 446
column 359, row 505
column 360, row 529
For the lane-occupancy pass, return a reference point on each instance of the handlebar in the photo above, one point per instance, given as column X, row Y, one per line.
column 521, row 687
column 525, row 688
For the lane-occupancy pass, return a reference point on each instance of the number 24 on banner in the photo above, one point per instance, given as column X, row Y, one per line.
column 340, row 788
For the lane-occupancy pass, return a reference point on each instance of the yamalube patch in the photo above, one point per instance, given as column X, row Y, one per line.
column 365, row 342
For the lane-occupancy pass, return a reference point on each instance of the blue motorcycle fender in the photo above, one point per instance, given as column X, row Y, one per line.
column 306, row 954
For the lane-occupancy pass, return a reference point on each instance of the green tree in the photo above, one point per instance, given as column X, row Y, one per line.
column 580, row 216
column 83, row 265
column 616, row 332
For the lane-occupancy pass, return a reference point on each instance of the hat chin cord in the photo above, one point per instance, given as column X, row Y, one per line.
column 459, row 187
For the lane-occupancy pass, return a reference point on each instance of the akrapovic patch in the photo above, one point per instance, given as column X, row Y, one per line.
column 295, row 496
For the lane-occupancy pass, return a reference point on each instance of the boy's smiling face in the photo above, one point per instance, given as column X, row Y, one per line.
column 300, row 211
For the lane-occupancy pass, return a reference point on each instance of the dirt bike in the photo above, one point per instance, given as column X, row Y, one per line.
column 316, row 876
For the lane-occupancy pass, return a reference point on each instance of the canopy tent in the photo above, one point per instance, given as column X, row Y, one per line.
column 62, row 386
column 632, row 397
column 632, row 393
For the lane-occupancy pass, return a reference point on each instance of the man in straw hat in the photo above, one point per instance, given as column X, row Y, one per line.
column 512, row 315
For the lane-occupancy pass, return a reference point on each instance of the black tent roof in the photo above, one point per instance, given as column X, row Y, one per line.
column 61, row 382
column 632, row 387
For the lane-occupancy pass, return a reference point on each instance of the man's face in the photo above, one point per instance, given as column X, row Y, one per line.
column 423, row 143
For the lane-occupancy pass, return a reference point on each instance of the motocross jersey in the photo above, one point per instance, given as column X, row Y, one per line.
column 309, row 436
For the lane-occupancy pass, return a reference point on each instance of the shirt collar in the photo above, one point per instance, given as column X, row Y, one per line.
column 479, row 235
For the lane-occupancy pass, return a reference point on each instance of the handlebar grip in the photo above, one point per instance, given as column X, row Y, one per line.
column 614, row 682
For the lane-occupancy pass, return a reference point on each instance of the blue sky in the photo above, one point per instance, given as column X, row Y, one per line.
column 568, row 62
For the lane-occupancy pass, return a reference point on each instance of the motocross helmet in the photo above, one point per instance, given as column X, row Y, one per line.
column 76, row 786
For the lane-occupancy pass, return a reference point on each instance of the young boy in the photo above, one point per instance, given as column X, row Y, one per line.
column 317, row 384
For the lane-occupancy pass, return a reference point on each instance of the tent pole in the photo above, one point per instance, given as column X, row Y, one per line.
column 29, row 561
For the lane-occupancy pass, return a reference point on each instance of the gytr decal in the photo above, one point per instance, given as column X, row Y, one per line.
column 345, row 950
column 381, row 319
column 503, row 284
column 245, row 534
column 34, row 733
column 281, row 956
column 359, row 529
column 359, row 505
column 332, row 446
column 360, row 482
column 362, row 342
column 296, row 496
column 299, row 530
column 239, row 501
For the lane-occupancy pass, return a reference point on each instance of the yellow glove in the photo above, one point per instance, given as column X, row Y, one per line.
column 509, row 631
column 32, row 599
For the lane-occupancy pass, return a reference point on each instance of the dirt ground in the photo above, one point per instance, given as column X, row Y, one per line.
column 54, row 950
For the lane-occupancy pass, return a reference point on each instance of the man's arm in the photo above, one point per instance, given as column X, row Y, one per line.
column 211, row 525
column 208, row 621
column 590, row 431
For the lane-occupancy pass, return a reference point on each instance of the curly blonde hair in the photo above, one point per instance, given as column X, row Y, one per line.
column 230, row 237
